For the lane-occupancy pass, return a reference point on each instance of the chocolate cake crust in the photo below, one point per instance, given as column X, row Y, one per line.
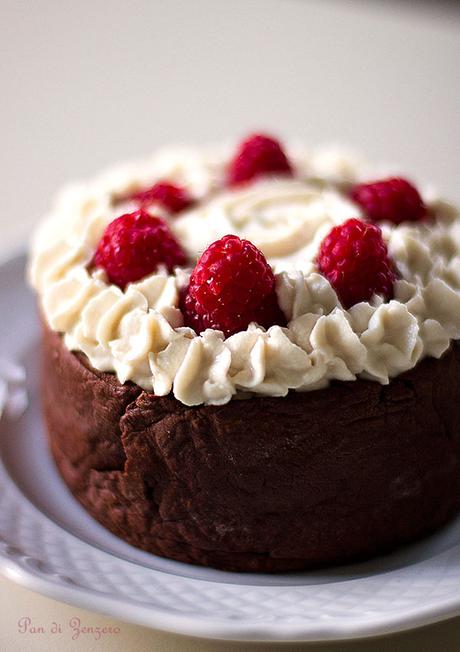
column 265, row 484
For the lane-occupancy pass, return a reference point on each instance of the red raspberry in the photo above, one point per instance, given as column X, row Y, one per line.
column 354, row 259
column 173, row 198
column 258, row 155
column 134, row 245
column 393, row 200
column 231, row 285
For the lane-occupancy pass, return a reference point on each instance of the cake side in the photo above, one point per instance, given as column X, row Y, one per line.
column 267, row 484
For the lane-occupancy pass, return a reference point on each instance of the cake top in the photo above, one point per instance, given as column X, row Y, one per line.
column 221, row 272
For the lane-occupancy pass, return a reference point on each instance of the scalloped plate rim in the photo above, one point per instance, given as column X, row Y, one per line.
column 220, row 629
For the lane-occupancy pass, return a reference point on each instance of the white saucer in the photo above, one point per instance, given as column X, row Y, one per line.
column 51, row 545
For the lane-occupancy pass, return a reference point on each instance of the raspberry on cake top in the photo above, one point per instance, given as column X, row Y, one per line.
column 216, row 273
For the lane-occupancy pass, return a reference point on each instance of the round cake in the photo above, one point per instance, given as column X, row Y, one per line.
column 250, row 354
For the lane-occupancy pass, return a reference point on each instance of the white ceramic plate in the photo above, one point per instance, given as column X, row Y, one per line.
column 51, row 545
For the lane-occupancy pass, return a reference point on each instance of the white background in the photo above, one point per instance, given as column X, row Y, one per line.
column 85, row 83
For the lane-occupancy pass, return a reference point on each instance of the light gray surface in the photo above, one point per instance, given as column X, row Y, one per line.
column 86, row 83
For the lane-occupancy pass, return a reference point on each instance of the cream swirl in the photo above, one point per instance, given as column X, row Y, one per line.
column 139, row 334
column 283, row 218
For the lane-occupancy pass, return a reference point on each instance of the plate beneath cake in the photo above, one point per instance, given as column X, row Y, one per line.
column 49, row 544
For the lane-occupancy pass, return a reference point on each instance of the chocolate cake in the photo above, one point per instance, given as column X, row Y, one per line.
column 328, row 476
column 293, row 422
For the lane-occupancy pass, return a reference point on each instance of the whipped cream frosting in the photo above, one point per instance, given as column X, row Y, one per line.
column 138, row 333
